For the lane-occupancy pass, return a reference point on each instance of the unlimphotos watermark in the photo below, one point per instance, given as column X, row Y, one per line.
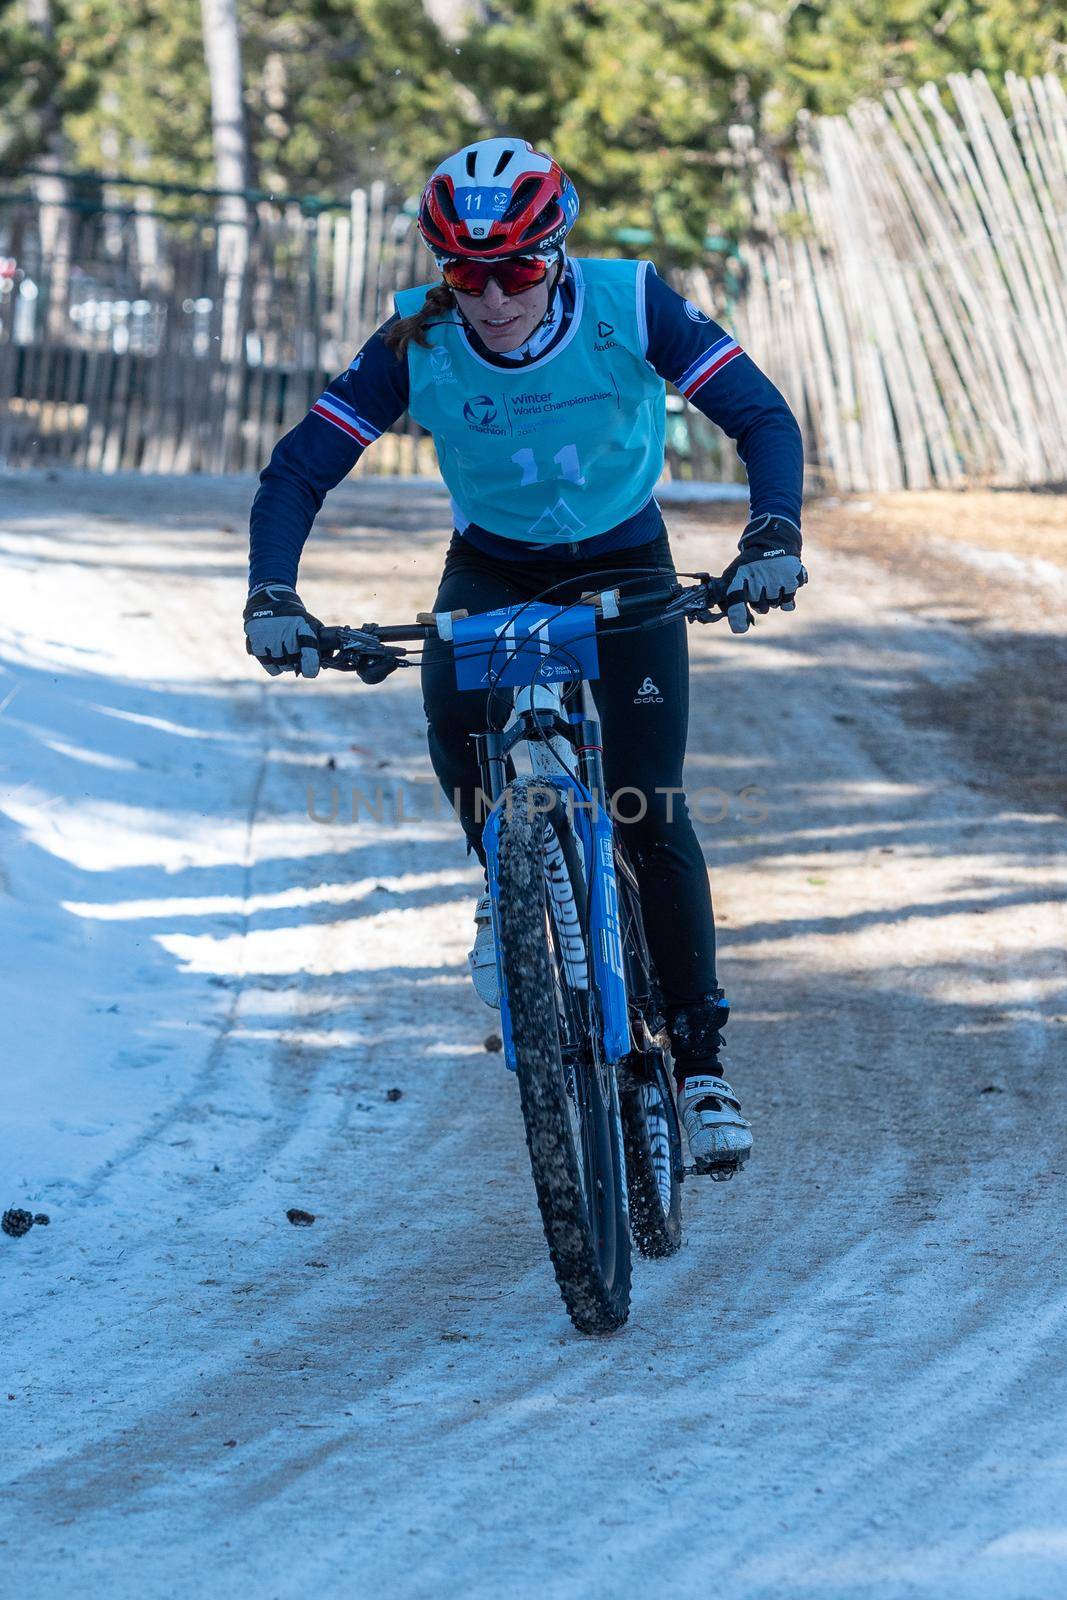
column 393, row 806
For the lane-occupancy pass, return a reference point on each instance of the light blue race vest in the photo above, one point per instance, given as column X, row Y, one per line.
column 560, row 451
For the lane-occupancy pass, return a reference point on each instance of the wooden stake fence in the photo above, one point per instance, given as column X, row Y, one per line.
column 906, row 285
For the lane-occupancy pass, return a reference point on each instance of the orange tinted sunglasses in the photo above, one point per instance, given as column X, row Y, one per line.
column 513, row 274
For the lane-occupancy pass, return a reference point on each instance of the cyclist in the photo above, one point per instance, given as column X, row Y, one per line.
column 541, row 379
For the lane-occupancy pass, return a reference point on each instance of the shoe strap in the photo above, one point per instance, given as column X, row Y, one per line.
column 709, row 1086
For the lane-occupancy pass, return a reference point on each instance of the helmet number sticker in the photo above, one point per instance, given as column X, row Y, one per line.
column 482, row 202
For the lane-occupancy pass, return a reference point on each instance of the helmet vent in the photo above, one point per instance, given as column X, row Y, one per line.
column 502, row 161
column 445, row 201
column 472, row 159
column 521, row 199
column 544, row 218
column 430, row 228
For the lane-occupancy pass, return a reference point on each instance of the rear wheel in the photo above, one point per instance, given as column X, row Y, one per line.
column 570, row 1100
column 650, row 1132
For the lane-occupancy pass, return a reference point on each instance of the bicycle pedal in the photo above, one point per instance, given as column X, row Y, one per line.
column 721, row 1172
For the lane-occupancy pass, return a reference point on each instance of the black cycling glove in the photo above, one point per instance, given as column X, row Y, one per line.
column 768, row 572
column 280, row 632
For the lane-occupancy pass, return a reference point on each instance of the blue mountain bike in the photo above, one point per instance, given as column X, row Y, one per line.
column 580, row 1005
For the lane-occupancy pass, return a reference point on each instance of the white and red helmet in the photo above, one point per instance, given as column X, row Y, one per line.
column 499, row 197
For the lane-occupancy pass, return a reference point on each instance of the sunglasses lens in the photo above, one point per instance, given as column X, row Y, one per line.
column 469, row 277
column 514, row 274
column 521, row 272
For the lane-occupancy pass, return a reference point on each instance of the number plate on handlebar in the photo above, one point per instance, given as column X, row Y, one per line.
column 525, row 644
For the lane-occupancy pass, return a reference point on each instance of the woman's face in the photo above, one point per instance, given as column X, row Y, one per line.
column 504, row 322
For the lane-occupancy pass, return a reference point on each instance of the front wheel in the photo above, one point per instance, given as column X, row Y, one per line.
column 570, row 1099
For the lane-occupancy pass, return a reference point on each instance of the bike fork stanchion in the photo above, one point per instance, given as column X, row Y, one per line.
column 492, row 764
column 591, row 758
column 589, row 745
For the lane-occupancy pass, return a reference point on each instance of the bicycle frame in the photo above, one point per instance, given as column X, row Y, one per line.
column 565, row 753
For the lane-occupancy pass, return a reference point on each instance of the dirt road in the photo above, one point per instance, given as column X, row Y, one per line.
column 850, row 1383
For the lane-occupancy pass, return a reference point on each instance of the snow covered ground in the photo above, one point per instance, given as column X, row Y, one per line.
column 851, row 1382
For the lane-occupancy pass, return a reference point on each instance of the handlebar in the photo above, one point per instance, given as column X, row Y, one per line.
column 347, row 649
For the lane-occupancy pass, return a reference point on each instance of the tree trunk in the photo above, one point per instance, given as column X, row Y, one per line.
column 51, row 192
column 222, row 50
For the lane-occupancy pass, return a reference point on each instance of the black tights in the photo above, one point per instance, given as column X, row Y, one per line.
column 642, row 700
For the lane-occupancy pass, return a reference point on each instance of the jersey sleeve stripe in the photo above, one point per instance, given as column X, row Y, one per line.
column 346, row 418
column 711, row 363
column 342, row 407
column 703, row 358
column 345, row 427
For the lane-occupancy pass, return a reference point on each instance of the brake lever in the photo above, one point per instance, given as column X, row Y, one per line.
column 350, row 649
column 718, row 597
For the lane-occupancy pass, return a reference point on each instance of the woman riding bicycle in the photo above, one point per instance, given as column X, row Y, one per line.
column 541, row 379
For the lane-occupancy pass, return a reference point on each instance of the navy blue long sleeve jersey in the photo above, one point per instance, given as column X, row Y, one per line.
column 685, row 347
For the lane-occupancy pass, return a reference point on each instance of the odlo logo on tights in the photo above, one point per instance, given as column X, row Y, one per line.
column 648, row 695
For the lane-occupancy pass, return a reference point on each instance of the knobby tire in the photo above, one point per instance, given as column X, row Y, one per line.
column 655, row 1193
column 589, row 1242
column 654, row 1185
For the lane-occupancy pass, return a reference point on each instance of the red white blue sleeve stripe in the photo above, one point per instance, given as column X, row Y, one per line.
column 345, row 417
column 707, row 365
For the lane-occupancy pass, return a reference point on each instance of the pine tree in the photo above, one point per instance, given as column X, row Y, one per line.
column 839, row 50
